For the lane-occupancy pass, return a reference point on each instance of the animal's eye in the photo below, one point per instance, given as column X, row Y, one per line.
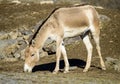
column 32, row 55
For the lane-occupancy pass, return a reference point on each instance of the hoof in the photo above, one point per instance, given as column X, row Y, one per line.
column 85, row 70
column 103, row 68
column 55, row 72
column 65, row 71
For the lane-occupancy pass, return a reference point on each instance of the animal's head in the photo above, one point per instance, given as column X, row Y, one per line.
column 31, row 58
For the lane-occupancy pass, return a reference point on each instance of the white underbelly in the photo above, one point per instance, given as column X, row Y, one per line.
column 73, row 32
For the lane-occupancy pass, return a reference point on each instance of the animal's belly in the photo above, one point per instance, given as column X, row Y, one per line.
column 74, row 32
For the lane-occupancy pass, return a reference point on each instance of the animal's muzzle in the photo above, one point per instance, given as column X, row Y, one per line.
column 27, row 68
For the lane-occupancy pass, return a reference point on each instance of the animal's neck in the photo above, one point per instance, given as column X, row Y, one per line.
column 41, row 37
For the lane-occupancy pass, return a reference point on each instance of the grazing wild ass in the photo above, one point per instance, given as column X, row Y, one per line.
column 63, row 23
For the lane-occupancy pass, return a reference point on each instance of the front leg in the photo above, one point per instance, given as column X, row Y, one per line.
column 65, row 59
column 58, row 55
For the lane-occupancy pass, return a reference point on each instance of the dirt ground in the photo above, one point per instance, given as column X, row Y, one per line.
column 12, row 72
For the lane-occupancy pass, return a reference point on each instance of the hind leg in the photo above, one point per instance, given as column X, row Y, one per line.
column 96, row 39
column 89, row 51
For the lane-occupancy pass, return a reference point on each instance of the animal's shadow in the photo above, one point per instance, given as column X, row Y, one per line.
column 50, row 66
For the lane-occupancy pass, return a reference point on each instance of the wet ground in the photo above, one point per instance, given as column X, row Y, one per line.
column 27, row 15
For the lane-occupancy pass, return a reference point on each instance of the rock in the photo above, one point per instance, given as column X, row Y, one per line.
column 3, row 35
column 50, row 45
column 9, row 35
column 117, row 67
column 22, row 54
column 104, row 18
column 112, row 63
column 17, row 55
column 7, row 47
column 26, row 37
column 2, row 56
column 10, row 59
column 26, row 32
column 21, row 42
column 47, row 2
column 16, row 2
column 43, row 54
column 109, row 59
column 72, row 40
column 36, row 27
column 21, row 51
column 13, row 35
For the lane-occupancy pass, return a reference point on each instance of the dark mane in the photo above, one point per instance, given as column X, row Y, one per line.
column 33, row 37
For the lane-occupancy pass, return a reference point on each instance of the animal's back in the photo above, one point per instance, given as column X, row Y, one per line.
column 75, row 20
column 75, row 17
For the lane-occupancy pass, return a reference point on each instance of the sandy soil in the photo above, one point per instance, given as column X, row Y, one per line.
column 12, row 72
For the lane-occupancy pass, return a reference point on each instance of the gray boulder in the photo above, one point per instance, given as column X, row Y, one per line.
column 104, row 18
column 112, row 63
column 3, row 35
column 50, row 45
column 7, row 48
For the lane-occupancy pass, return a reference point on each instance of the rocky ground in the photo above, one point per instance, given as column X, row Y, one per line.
column 19, row 21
